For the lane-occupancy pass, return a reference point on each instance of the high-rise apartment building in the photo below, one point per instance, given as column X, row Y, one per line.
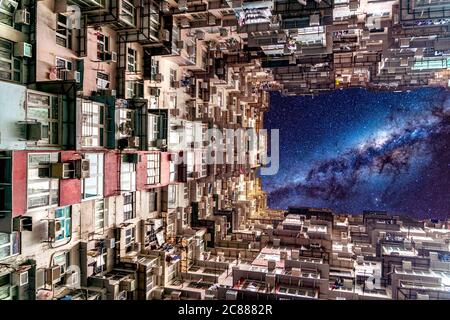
column 114, row 179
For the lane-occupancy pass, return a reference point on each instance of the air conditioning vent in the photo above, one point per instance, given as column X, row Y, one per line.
column 82, row 169
column 36, row 131
column 22, row 17
column 61, row 170
column 23, row 50
column 53, row 275
column 55, row 229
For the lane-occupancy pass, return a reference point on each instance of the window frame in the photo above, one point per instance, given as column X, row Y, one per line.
column 153, row 168
column 52, row 192
column 63, row 32
column 8, row 63
column 98, row 176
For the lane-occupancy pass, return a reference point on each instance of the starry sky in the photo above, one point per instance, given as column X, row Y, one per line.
column 353, row 150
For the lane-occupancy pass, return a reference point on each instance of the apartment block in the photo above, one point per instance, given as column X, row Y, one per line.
column 114, row 179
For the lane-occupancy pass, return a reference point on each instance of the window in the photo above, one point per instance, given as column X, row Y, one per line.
column 127, row 12
column 44, row 108
column 127, row 175
column 62, row 65
column 172, row 174
column 64, row 222
column 93, row 186
column 153, row 166
column 135, row 89
column 41, row 189
column 153, row 201
column 102, row 46
column 5, row 287
column 173, row 77
column 99, row 214
column 7, row 9
column 132, row 63
column 154, row 68
column 9, row 245
column 92, row 124
column 172, row 195
column 130, row 238
column 128, row 206
column 10, row 67
column 153, row 126
column 63, row 32
column 102, row 80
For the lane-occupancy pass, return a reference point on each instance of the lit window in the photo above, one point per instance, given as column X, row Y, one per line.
column 9, row 245
column 63, row 32
column 10, row 67
column 62, row 66
column 128, row 206
column 130, row 238
column 127, row 12
column 127, row 175
column 153, row 168
column 92, row 124
column 99, row 214
column 172, row 195
column 132, row 61
column 41, row 189
column 152, row 128
column 102, row 46
column 63, row 222
column 93, row 186
column 102, row 80
column 7, row 9
column 44, row 109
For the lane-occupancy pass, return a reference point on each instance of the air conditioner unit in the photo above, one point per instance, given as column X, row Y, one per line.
column 71, row 279
column 158, row 293
column 53, row 275
column 127, row 285
column 359, row 259
column 22, row 17
column 423, row 296
column 281, row 37
column 73, row 75
column 110, row 56
column 209, row 297
column 271, row 264
column 110, row 243
column 133, row 142
column 200, row 35
column 131, row 158
column 165, row 7
column 55, row 229
column 23, row 223
column 165, row 35
column 23, row 50
column 231, row 295
column 82, row 168
column 20, row 278
column 182, row 5
column 180, row 44
column 159, row 77
column 406, row 265
column 155, row 91
column 61, row 170
column 36, row 131
column 161, row 143
column 314, row 20
column 175, row 295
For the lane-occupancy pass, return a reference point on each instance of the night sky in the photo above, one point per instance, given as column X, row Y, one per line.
column 354, row 150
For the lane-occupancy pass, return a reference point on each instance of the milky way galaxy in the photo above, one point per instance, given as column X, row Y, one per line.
column 356, row 150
